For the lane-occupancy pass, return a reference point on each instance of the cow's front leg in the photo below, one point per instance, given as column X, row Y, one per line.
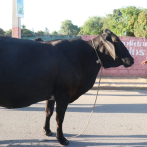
column 61, row 106
column 49, row 108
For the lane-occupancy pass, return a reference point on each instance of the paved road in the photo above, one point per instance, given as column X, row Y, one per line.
column 119, row 120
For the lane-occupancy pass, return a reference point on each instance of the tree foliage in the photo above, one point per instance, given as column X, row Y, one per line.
column 115, row 22
column 93, row 26
column 141, row 25
column 23, row 26
column 126, row 21
column 54, row 33
column 46, row 31
column 104, row 21
column 25, row 31
column 40, row 33
column 8, row 32
column 2, row 32
column 129, row 16
column 67, row 28
column 81, row 31
column 122, row 21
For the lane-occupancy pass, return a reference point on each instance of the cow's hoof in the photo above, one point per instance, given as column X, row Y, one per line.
column 48, row 133
column 63, row 141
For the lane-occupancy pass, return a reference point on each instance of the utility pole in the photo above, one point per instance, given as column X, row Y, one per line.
column 17, row 13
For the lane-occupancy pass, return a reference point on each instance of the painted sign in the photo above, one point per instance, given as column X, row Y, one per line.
column 20, row 8
column 136, row 46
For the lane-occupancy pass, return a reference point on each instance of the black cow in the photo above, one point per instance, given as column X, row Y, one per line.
column 57, row 72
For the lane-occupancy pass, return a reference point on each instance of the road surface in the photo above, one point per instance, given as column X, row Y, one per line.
column 119, row 120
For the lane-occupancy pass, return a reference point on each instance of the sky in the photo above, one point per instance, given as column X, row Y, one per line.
column 39, row 14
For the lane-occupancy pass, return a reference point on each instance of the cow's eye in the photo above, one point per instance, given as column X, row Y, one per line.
column 117, row 40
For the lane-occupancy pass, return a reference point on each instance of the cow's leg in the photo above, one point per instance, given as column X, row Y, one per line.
column 49, row 111
column 61, row 105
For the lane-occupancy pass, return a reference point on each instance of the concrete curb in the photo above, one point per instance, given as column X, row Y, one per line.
column 121, row 83
column 119, row 88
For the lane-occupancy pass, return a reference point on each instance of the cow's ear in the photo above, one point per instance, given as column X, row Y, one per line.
column 109, row 46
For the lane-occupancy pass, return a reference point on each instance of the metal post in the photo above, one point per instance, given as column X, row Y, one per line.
column 16, row 21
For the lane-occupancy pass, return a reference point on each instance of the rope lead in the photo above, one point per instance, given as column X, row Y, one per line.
column 92, row 109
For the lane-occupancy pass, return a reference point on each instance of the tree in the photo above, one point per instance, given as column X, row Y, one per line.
column 2, row 32
column 23, row 26
column 46, row 31
column 60, row 32
column 122, row 20
column 81, row 31
column 104, row 21
column 130, row 16
column 33, row 31
column 26, row 32
column 93, row 26
column 9, row 32
column 115, row 22
column 67, row 28
column 40, row 33
column 54, row 33
column 75, row 30
column 140, row 27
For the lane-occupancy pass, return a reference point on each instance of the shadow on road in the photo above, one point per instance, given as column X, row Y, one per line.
column 102, row 108
column 85, row 140
column 109, row 108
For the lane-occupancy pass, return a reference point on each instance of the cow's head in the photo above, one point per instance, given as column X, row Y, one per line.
column 112, row 51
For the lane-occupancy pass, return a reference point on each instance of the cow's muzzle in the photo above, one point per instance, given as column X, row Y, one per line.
column 127, row 62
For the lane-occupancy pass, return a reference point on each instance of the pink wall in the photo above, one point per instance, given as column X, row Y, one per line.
column 137, row 47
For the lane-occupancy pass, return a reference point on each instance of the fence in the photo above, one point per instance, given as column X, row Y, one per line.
column 52, row 37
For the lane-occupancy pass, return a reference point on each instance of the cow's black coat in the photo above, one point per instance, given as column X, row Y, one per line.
column 31, row 71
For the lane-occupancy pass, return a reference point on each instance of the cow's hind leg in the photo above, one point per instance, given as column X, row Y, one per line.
column 61, row 105
column 49, row 111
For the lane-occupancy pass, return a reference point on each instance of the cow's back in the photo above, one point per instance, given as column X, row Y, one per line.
column 27, row 71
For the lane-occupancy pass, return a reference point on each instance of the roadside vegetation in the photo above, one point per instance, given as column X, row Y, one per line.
column 127, row 21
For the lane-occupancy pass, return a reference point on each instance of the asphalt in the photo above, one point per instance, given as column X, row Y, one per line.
column 121, row 83
column 119, row 120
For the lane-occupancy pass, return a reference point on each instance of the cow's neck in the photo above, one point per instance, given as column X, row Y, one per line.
column 93, row 44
